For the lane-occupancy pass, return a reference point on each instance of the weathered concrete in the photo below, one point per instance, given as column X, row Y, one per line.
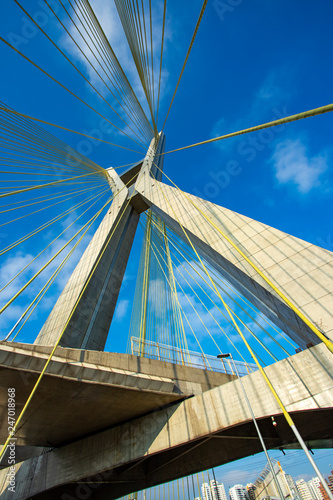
column 208, row 429
column 87, row 391
column 304, row 272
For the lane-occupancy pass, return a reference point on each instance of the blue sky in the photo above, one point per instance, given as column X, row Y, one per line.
column 252, row 61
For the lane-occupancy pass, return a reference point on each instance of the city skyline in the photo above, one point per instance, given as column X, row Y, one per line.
column 265, row 487
column 205, row 488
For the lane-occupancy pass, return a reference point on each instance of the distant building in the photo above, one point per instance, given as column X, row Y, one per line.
column 292, row 486
column 266, row 487
column 314, row 487
column 304, row 490
column 330, row 485
column 213, row 491
column 206, row 493
column 330, row 479
column 239, row 492
column 217, row 490
column 251, row 491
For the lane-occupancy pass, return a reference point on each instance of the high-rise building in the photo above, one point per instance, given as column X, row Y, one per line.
column 330, row 485
column 206, row 493
column 292, row 486
column 304, row 490
column 251, row 491
column 239, row 492
column 314, row 487
column 330, row 479
column 273, row 486
column 217, row 490
column 213, row 491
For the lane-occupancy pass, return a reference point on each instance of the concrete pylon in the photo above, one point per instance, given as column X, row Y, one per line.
column 302, row 271
column 89, row 326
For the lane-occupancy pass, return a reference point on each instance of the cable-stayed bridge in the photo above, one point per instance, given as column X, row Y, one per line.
column 118, row 423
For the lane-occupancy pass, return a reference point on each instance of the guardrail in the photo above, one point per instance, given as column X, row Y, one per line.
column 172, row 354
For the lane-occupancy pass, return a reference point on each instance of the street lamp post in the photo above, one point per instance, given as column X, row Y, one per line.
column 278, row 486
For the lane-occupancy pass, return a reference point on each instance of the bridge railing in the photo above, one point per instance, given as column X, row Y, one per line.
column 172, row 354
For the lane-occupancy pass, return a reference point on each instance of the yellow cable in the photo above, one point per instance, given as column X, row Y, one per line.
column 57, row 253
column 46, row 185
column 252, row 333
column 196, row 338
column 64, row 87
column 143, row 326
column 47, row 263
column 73, row 194
column 4, row 448
column 39, row 210
column 231, row 297
column 327, row 342
column 285, row 412
column 40, row 228
column 235, row 302
column 65, row 128
column 274, row 123
column 181, row 331
column 186, row 58
column 161, row 57
column 49, row 282
column 75, row 67
column 99, row 195
column 223, row 331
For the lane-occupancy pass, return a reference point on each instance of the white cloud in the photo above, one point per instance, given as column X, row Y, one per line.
column 264, row 102
column 107, row 15
column 292, row 165
column 122, row 309
column 306, row 477
column 270, row 90
column 239, row 477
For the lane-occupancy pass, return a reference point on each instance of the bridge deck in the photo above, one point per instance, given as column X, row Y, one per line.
column 84, row 392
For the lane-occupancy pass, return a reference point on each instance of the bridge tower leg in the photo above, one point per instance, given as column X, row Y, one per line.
column 301, row 271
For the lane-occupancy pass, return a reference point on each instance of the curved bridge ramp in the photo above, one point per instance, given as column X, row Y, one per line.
column 185, row 436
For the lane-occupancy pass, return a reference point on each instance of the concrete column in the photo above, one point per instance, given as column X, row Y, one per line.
column 90, row 323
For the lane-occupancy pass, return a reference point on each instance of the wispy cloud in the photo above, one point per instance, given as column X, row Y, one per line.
column 293, row 165
column 107, row 15
column 237, row 476
column 122, row 309
column 265, row 99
